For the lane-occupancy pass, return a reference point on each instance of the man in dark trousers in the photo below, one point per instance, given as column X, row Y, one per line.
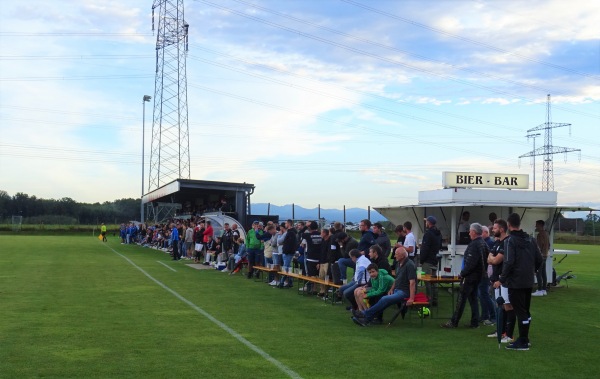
column 312, row 241
column 430, row 248
column 470, row 276
column 522, row 258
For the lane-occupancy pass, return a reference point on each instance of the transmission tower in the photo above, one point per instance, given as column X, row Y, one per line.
column 547, row 151
column 170, row 147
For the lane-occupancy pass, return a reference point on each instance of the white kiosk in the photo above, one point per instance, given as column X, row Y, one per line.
column 480, row 194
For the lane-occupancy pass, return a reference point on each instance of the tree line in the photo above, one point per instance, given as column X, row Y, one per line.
column 66, row 211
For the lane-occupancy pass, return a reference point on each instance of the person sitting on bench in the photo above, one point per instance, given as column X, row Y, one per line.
column 360, row 277
column 240, row 258
column 379, row 285
column 404, row 287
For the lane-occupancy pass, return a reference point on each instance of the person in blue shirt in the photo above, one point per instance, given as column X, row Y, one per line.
column 175, row 242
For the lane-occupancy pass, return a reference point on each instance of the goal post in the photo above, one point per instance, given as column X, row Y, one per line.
column 16, row 223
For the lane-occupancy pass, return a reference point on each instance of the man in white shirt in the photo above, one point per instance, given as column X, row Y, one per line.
column 409, row 241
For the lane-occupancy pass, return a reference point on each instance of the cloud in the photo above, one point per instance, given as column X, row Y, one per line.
column 499, row 100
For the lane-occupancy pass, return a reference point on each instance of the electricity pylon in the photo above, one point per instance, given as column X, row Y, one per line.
column 547, row 151
column 170, row 147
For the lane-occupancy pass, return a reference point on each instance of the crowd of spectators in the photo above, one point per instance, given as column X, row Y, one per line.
column 328, row 253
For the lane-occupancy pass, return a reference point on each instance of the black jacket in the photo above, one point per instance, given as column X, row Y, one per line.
column 289, row 242
column 431, row 245
column 382, row 262
column 366, row 241
column 522, row 257
column 473, row 260
column 384, row 242
column 349, row 245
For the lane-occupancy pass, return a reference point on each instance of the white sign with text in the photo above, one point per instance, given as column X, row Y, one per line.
column 484, row 180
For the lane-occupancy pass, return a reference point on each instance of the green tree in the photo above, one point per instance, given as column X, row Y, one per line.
column 592, row 225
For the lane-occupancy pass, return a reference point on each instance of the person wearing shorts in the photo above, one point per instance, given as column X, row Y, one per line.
column 103, row 232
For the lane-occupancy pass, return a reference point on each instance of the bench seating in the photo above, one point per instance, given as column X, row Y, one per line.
column 265, row 270
column 312, row 279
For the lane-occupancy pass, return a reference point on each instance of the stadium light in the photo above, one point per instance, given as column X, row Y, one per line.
column 145, row 99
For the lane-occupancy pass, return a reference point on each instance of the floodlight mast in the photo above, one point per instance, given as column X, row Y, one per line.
column 145, row 99
column 170, row 151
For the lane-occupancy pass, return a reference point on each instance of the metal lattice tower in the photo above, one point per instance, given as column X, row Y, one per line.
column 170, row 147
column 547, row 151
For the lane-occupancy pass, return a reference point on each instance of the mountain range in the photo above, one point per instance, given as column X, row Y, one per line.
column 300, row 213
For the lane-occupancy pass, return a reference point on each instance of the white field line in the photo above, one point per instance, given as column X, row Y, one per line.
column 288, row 371
column 167, row 266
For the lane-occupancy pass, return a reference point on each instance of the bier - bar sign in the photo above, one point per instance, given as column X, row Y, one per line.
column 484, row 180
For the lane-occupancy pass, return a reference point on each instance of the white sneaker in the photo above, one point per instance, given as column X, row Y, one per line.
column 493, row 335
column 545, row 292
column 507, row 339
column 273, row 283
column 224, row 270
column 538, row 293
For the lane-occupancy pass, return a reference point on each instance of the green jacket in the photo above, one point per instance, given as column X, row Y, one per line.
column 381, row 284
column 252, row 242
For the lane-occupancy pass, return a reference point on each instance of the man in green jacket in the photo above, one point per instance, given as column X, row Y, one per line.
column 253, row 246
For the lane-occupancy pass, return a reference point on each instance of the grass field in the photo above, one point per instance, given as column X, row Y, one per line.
column 75, row 307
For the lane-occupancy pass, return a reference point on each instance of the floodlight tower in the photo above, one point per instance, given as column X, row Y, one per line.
column 548, row 150
column 170, row 148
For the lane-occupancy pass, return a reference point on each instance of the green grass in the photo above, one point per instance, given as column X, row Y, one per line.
column 71, row 307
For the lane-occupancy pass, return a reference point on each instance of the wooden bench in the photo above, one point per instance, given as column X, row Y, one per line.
column 314, row 280
column 263, row 269
column 417, row 305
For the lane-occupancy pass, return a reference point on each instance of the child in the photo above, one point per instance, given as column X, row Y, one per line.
column 380, row 284
column 240, row 258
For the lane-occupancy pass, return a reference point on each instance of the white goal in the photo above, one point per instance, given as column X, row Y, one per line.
column 16, row 223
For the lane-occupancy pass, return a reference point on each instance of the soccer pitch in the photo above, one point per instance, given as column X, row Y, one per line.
column 72, row 306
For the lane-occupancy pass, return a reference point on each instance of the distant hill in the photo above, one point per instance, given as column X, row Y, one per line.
column 285, row 212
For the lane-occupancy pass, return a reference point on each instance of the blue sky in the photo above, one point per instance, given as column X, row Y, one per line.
column 335, row 103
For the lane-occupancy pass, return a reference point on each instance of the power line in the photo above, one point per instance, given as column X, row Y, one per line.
column 73, row 34
column 75, row 77
column 375, row 56
column 469, row 40
column 72, row 57
column 393, row 48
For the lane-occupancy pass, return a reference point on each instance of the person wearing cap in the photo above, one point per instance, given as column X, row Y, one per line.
column 430, row 247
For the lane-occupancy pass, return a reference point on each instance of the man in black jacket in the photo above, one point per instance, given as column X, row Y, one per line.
column 347, row 243
column 470, row 277
column 382, row 239
column 522, row 258
column 290, row 244
column 430, row 247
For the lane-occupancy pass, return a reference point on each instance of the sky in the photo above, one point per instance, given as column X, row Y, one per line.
column 331, row 102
